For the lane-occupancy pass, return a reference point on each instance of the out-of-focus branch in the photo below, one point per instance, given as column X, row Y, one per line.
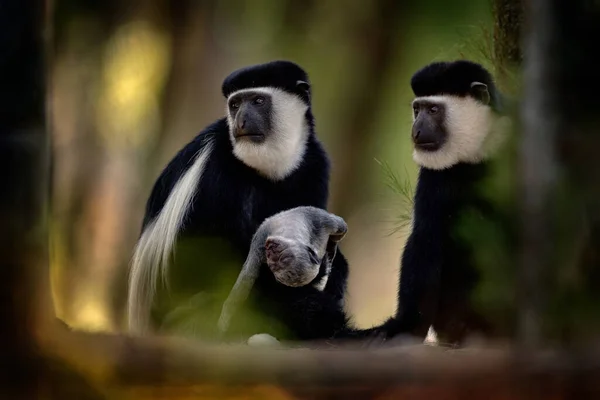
column 175, row 366
column 578, row 86
column 24, row 162
column 542, row 122
column 377, row 41
column 508, row 28
column 27, row 307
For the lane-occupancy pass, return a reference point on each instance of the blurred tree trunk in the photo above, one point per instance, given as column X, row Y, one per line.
column 508, row 27
column 108, row 85
column 135, row 62
column 560, row 174
column 27, row 312
column 81, row 30
column 542, row 123
column 25, row 165
column 577, row 28
column 376, row 40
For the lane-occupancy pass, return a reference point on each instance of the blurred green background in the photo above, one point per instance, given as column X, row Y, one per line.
column 133, row 81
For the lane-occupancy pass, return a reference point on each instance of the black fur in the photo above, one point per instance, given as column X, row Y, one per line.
column 279, row 74
column 453, row 78
column 232, row 200
column 438, row 273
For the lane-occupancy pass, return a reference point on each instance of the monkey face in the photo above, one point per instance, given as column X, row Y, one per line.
column 250, row 112
column 449, row 129
column 268, row 129
column 293, row 263
column 429, row 130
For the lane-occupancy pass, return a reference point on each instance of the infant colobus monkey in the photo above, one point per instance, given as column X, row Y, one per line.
column 457, row 127
column 298, row 245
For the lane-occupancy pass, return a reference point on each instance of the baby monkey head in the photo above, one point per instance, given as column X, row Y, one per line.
column 292, row 262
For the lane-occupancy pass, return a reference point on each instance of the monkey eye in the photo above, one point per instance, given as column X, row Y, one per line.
column 259, row 100
column 416, row 111
column 234, row 105
column 433, row 109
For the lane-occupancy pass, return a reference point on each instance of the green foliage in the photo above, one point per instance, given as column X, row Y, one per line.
column 476, row 43
column 479, row 43
column 403, row 189
column 201, row 277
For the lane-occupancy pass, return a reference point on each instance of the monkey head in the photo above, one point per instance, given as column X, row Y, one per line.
column 269, row 117
column 297, row 264
column 455, row 114
column 292, row 262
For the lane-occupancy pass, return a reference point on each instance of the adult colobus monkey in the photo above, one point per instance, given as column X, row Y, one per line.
column 263, row 157
column 457, row 126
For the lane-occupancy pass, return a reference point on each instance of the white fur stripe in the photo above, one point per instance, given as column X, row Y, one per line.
column 155, row 246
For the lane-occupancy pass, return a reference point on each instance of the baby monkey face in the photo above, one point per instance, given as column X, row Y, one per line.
column 292, row 262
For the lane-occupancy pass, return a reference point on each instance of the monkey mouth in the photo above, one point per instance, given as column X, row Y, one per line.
column 254, row 137
column 428, row 146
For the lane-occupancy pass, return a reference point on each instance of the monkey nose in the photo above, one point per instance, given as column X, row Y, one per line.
column 416, row 134
column 273, row 247
column 241, row 124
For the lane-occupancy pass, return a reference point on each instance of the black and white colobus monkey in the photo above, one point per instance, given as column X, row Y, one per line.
column 262, row 158
column 457, row 126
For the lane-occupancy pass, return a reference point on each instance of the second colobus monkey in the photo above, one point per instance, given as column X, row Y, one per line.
column 457, row 126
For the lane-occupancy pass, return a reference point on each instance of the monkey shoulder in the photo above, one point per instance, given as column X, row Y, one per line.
column 177, row 166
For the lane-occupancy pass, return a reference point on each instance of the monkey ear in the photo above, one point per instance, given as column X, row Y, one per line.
column 331, row 249
column 337, row 237
column 340, row 230
column 480, row 92
column 304, row 88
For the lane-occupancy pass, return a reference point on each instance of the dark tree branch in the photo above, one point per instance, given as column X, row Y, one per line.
column 377, row 41
column 169, row 367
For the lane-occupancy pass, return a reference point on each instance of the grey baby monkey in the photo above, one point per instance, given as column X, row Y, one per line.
column 293, row 243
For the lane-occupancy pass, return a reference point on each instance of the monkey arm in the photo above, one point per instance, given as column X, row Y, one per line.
column 336, row 228
column 310, row 313
column 338, row 278
column 245, row 281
